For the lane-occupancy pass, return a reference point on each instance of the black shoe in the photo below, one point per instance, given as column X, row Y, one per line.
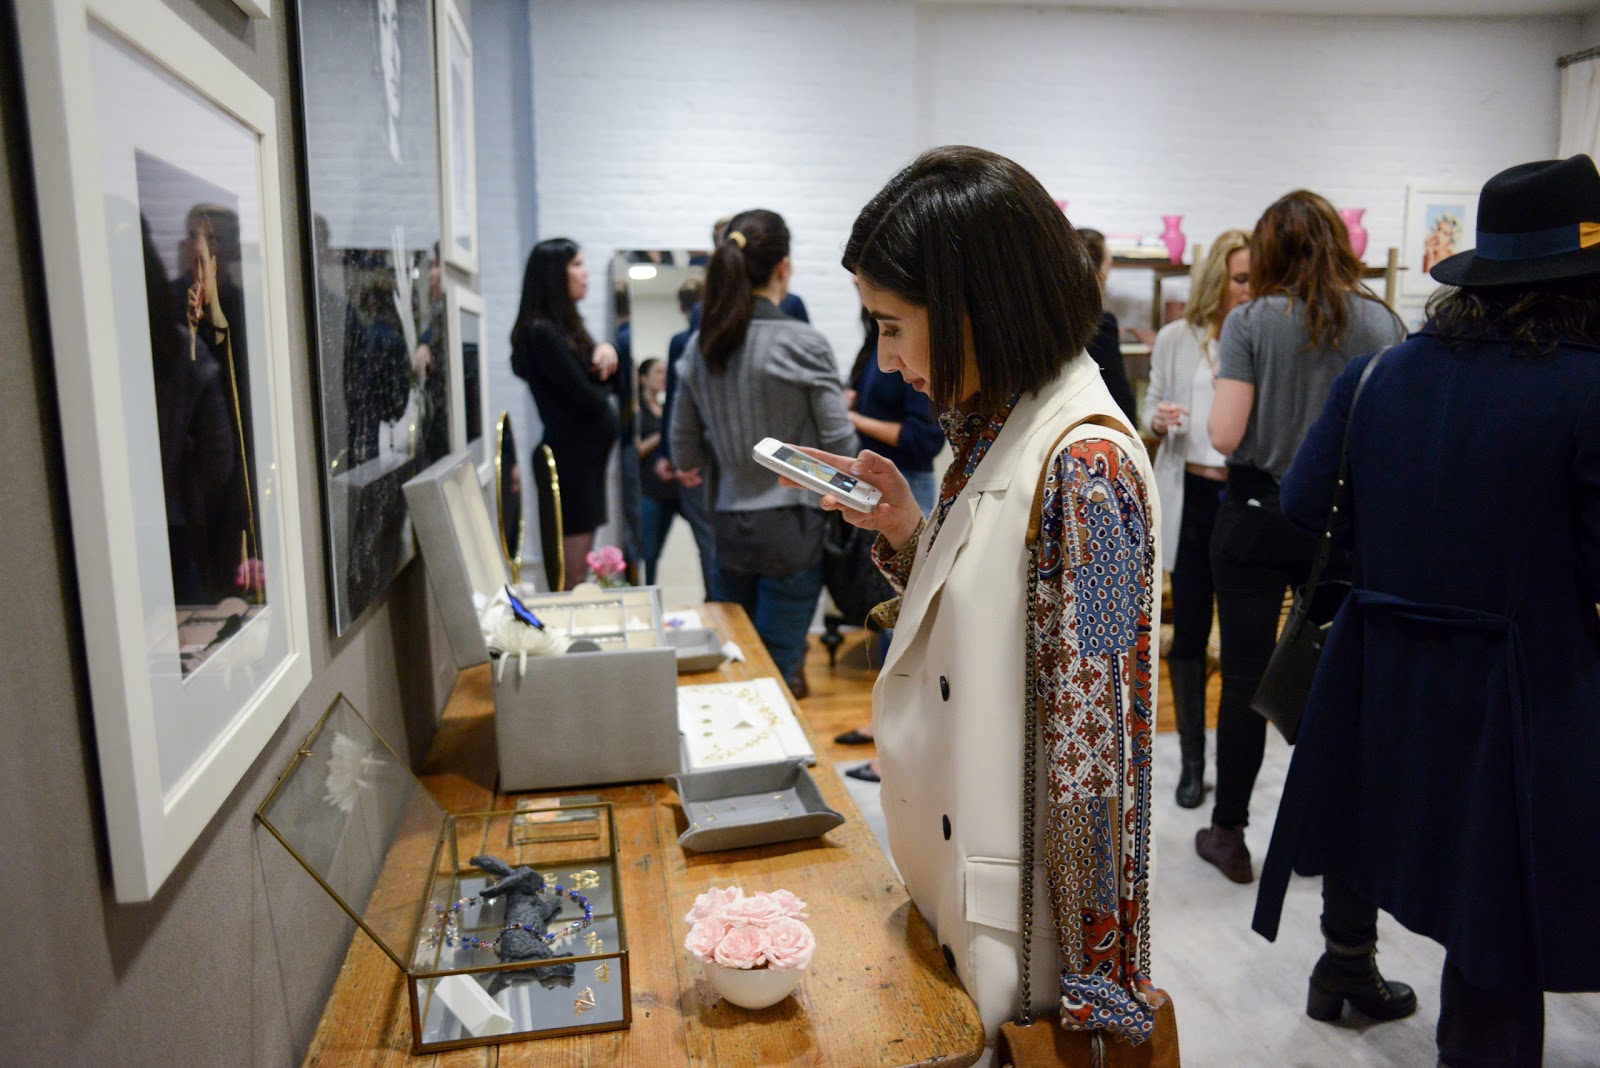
column 1191, row 783
column 864, row 773
column 854, row 737
column 1188, row 677
column 1350, row 973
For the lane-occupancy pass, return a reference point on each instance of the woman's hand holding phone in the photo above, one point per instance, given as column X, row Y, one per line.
column 897, row 514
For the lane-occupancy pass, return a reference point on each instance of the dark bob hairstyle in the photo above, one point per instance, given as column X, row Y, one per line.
column 971, row 236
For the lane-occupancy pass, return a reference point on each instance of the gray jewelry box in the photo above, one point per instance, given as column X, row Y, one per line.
column 575, row 719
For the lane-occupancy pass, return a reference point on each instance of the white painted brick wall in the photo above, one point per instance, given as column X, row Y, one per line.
column 653, row 119
column 1130, row 116
column 507, row 204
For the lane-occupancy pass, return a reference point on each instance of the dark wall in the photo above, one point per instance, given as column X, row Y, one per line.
column 233, row 960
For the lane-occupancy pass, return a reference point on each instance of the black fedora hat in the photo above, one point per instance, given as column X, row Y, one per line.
column 1537, row 222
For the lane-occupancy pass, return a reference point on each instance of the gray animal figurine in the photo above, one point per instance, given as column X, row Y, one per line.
column 527, row 906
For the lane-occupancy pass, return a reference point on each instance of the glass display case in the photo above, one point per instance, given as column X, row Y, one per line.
column 507, row 925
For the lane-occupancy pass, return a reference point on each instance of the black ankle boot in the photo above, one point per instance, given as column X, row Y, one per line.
column 1189, row 709
column 1350, row 973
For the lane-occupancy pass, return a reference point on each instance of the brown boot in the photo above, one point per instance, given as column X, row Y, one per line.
column 1225, row 848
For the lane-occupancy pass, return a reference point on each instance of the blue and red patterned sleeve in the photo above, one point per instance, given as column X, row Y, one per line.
column 1093, row 610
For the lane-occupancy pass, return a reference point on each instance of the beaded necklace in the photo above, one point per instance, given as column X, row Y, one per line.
column 446, row 918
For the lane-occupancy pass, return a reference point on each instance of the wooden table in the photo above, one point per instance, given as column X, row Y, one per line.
column 878, row 993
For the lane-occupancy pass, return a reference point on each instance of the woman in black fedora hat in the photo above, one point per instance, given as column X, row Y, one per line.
column 1446, row 763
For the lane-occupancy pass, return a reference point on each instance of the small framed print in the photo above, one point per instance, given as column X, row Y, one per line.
column 157, row 169
column 458, row 175
column 1441, row 220
column 470, row 378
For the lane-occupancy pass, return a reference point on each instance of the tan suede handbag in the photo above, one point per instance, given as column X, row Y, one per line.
column 1040, row 1041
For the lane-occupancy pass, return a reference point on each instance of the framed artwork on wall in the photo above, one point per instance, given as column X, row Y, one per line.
column 157, row 178
column 464, row 315
column 371, row 179
column 457, row 141
column 1441, row 220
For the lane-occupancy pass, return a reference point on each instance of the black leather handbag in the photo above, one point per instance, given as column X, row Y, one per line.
column 1286, row 684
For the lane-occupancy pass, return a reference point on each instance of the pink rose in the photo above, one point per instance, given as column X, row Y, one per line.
column 712, row 902
column 790, row 944
column 758, row 910
column 606, row 561
column 704, row 936
column 791, row 905
column 742, row 947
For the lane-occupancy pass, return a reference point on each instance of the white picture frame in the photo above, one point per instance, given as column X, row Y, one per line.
column 118, row 91
column 469, row 391
column 458, row 166
column 256, row 9
column 1441, row 220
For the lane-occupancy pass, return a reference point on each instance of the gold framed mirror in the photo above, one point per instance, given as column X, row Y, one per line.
column 508, row 495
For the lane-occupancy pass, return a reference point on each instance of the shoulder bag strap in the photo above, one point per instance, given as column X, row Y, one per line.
column 1325, row 545
column 1030, row 734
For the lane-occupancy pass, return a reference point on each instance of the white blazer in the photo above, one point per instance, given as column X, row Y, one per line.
column 948, row 706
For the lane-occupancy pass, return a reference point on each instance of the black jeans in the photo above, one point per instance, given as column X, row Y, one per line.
column 1256, row 557
column 1192, row 588
column 1488, row 1028
column 1347, row 918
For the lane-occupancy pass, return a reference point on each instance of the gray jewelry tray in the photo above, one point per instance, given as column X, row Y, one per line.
column 698, row 648
column 750, row 805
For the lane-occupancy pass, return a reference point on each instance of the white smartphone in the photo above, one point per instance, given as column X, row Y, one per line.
column 815, row 475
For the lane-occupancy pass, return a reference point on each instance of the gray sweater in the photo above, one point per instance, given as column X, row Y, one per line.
column 781, row 383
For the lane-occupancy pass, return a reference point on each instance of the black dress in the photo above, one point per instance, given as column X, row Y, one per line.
column 580, row 423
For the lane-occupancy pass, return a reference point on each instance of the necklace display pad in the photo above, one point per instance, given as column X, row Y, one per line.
column 727, row 724
column 352, row 813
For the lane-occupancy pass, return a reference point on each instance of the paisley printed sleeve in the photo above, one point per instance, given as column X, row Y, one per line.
column 1093, row 608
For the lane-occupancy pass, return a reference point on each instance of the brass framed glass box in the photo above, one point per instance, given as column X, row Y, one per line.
column 351, row 812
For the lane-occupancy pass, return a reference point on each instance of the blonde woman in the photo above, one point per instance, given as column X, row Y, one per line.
column 1190, row 475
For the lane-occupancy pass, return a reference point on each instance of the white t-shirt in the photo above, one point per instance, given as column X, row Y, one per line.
column 1197, row 447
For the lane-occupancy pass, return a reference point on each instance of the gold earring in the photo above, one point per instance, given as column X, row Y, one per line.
column 603, row 973
column 585, row 1001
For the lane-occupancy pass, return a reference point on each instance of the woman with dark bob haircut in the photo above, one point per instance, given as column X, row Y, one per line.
column 985, row 298
column 1445, row 768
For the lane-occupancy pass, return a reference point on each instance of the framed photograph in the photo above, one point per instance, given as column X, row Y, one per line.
column 464, row 316
column 157, row 178
column 457, row 141
column 371, row 180
column 1441, row 221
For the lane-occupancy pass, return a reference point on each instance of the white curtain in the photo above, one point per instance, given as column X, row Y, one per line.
column 1580, row 109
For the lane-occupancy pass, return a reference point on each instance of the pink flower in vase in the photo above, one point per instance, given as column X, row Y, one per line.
column 790, row 944
column 741, row 947
column 606, row 564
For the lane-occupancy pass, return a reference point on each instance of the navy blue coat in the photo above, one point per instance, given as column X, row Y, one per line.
column 1448, row 766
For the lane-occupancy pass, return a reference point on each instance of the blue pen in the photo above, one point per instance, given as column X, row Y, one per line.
column 521, row 610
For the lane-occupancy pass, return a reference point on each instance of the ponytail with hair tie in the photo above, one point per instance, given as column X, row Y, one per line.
column 755, row 243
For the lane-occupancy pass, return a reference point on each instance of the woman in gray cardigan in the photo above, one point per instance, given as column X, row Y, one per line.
column 752, row 372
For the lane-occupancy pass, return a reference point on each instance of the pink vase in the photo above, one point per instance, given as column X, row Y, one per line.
column 1358, row 233
column 1173, row 237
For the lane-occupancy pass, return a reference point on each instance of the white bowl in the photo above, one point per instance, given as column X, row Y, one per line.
column 754, row 988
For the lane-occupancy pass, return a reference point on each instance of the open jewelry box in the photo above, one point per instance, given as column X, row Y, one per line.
column 607, row 714
column 351, row 812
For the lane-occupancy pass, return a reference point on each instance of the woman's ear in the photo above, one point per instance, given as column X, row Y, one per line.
column 783, row 272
